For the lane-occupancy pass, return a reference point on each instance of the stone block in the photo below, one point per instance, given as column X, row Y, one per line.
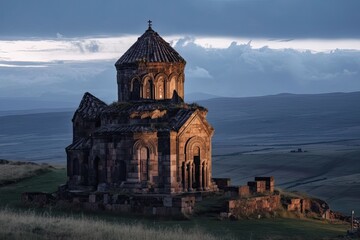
column 92, row 198
column 244, row 191
column 257, row 186
column 106, row 199
column 270, row 182
column 225, row 214
column 125, row 208
column 167, row 201
column 222, row 182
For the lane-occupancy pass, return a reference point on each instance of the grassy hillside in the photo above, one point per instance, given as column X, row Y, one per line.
column 11, row 172
column 46, row 182
column 56, row 224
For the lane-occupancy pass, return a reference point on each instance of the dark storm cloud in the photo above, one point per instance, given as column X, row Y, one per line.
column 250, row 18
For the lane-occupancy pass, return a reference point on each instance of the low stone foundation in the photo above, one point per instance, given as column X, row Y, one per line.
column 145, row 204
column 38, row 199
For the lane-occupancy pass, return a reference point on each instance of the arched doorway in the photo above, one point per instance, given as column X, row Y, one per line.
column 197, row 178
column 144, row 164
column 195, row 153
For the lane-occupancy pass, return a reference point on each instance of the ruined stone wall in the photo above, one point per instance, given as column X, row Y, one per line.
column 150, row 205
column 255, row 205
column 237, row 191
column 222, row 183
column 257, row 186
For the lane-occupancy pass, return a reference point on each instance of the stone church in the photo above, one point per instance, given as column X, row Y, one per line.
column 150, row 140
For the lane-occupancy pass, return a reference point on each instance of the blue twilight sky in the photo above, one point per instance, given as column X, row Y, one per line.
column 56, row 50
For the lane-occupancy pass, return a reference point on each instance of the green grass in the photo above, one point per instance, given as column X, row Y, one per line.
column 10, row 195
column 279, row 228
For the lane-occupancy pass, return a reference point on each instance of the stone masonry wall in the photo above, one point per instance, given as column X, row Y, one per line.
column 255, row 205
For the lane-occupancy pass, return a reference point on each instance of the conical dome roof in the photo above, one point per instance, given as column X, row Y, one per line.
column 150, row 47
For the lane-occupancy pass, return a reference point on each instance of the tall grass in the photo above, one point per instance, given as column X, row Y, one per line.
column 28, row 225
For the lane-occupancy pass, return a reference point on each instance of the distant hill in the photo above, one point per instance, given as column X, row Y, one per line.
column 28, row 103
column 35, row 137
column 329, row 116
column 198, row 96
column 283, row 119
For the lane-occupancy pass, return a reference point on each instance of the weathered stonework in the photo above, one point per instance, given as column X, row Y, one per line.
column 150, row 141
column 255, row 205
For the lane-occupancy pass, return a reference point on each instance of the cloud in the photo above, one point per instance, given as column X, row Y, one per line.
column 6, row 64
column 91, row 46
column 59, row 35
column 241, row 70
column 246, row 18
column 198, row 72
column 236, row 70
column 64, row 49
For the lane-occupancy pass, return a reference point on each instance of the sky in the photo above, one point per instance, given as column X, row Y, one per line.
column 56, row 50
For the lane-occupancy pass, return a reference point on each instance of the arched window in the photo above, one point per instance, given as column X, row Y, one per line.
column 160, row 88
column 172, row 87
column 147, row 91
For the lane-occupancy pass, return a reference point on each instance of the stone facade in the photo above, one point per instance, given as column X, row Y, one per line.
column 150, row 141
